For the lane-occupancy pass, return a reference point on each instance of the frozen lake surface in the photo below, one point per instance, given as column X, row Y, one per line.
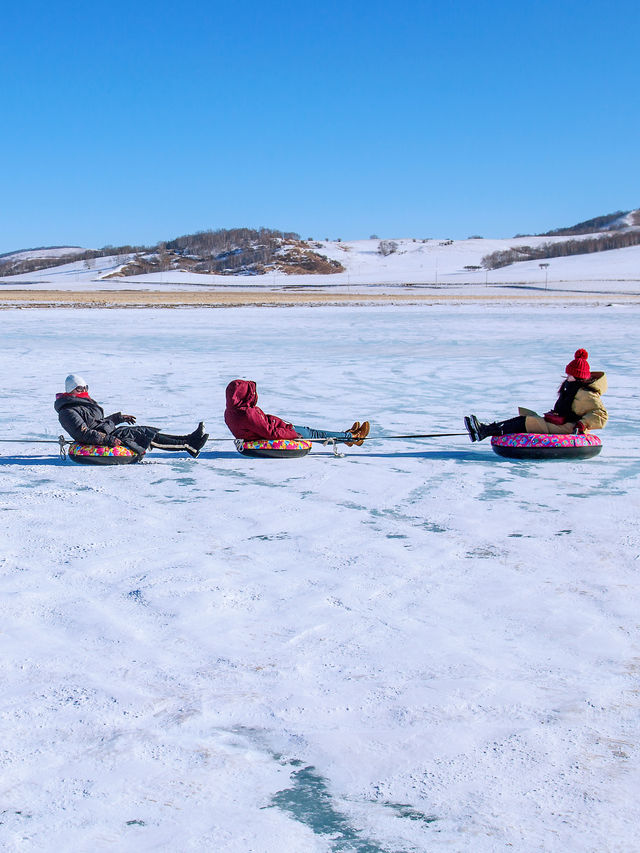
column 419, row 646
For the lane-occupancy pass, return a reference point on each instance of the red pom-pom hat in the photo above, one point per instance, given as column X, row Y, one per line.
column 579, row 367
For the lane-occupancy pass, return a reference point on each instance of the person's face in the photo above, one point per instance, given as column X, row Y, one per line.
column 80, row 389
column 570, row 378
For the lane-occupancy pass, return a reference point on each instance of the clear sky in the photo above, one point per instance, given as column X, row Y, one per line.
column 133, row 122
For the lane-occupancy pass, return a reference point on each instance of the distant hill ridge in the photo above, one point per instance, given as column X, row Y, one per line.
column 617, row 221
column 235, row 251
column 248, row 251
column 45, row 251
column 617, row 230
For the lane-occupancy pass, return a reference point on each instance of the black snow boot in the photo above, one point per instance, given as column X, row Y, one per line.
column 192, row 443
column 479, row 431
column 196, row 441
column 472, row 426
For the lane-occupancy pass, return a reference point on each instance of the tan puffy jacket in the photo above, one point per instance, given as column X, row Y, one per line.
column 587, row 407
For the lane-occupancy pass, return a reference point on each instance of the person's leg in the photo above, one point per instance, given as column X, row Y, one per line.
column 191, row 438
column 479, row 431
column 354, row 435
column 537, row 424
column 192, row 443
column 508, row 427
column 137, row 438
column 309, row 432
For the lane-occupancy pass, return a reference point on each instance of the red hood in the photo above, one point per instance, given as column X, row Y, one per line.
column 246, row 420
column 241, row 394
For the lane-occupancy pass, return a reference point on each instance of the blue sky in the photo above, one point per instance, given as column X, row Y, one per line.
column 138, row 122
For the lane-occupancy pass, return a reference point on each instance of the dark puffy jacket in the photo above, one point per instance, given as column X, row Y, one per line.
column 246, row 420
column 84, row 419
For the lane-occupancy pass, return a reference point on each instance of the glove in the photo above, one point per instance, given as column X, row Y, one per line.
column 114, row 442
column 554, row 418
column 581, row 428
column 130, row 419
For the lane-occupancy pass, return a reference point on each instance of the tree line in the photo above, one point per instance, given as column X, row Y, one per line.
column 230, row 249
column 601, row 243
column 15, row 266
column 608, row 222
column 224, row 251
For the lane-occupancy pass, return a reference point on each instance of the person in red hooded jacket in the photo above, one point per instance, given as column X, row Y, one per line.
column 247, row 421
column 578, row 408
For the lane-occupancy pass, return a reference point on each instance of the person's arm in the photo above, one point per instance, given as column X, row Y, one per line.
column 280, row 428
column 595, row 419
column 119, row 418
column 79, row 431
column 268, row 426
column 589, row 410
column 554, row 418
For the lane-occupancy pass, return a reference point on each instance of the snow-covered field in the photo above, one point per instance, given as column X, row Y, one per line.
column 432, row 264
column 419, row 646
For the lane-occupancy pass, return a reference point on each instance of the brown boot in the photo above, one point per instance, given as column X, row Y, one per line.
column 352, row 430
column 358, row 434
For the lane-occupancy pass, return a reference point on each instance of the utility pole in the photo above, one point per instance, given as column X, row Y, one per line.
column 545, row 267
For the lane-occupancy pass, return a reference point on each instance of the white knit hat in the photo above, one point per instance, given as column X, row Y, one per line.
column 72, row 381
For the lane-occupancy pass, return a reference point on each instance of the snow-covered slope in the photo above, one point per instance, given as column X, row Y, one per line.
column 449, row 261
column 629, row 220
column 414, row 262
column 440, row 263
column 50, row 252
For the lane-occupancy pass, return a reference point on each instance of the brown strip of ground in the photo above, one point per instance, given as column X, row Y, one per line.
column 189, row 298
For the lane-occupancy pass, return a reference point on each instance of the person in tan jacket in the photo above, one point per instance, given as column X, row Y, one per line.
column 578, row 407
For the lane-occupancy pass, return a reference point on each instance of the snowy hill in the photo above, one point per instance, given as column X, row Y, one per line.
column 611, row 222
column 440, row 264
column 353, row 264
column 44, row 253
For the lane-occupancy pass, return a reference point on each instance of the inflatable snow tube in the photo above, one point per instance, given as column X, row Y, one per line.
column 276, row 448
column 533, row 445
column 95, row 454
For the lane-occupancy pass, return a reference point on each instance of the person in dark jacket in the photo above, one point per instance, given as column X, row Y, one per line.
column 578, row 408
column 85, row 421
column 247, row 421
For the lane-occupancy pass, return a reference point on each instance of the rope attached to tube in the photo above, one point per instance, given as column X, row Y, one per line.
column 62, row 442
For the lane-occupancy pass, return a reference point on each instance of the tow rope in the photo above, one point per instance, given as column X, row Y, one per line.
column 62, row 442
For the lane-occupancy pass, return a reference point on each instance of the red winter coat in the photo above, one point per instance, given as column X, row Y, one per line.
column 246, row 420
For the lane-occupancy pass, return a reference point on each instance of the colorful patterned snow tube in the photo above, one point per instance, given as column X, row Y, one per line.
column 276, row 448
column 534, row 445
column 95, row 454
